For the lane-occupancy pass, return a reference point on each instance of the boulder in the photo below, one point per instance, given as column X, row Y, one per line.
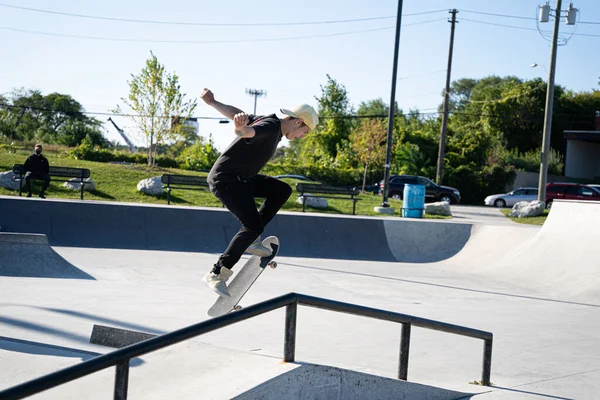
column 152, row 186
column 75, row 184
column 439, row 208
column 525, row 209
column 7, row 181
column 315, row 202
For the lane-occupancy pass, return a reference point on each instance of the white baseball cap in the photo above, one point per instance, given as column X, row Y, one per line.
column 305, row 112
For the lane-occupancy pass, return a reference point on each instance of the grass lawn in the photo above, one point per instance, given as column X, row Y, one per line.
column 118, row 182
column 528, row 220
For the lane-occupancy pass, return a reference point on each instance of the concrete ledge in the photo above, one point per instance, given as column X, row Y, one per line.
column 115, row 337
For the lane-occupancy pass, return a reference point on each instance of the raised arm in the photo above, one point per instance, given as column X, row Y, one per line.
column 227, row 110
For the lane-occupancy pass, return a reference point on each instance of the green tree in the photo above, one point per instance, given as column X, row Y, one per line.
column 334, row 110
column 28, row 115
column 155, row 100
column 415, row 145
column 368, row 140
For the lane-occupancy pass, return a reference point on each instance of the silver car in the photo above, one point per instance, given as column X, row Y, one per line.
column 511, row 198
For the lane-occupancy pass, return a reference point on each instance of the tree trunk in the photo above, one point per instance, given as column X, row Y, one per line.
column 151, row 144
column 365, row 176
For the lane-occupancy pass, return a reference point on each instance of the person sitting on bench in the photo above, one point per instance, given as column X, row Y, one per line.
column 37, row 167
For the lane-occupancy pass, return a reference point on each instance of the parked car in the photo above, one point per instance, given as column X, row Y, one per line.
column 595, row 186
column 374, row 188
column 433, row 192
column 570, row 191
column 511, row 198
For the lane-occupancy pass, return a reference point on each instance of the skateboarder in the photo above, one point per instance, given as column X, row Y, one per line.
column 235, row 180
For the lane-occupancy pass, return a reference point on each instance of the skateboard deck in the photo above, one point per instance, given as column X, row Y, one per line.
column 244, row 279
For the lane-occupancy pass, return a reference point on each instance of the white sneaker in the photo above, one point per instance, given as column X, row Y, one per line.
column 258, row 249
column 217, row 282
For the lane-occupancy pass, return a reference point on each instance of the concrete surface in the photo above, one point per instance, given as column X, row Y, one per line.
column 30, row 255
column 515, row 281
column 308, row 382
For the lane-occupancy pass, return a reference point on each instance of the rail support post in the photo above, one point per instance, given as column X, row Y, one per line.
column 487, row 362
column 404, row 350
column 121, row 380
column 289, row 345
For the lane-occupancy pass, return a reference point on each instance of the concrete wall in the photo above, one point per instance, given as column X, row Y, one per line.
column 209, row 230
column 582, row 159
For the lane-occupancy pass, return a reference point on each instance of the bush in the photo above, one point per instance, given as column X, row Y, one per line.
column 199, row 157
column 87, row 151
column 530, row 161
column 328, row 175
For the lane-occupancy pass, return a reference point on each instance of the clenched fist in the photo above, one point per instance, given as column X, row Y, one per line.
column 207, row 96
column 240, row 120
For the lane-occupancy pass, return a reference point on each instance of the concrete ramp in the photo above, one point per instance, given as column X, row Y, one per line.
column 30, row 255
column 308, row 382
column 489, row 243
column 425, row 241
column 563, row 258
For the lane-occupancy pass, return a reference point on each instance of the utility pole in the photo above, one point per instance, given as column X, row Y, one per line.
column 385, row 207
column 442, row 149
column 256, row 93
column 571, row 19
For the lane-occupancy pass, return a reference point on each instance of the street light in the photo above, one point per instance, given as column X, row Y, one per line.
column 539, row 65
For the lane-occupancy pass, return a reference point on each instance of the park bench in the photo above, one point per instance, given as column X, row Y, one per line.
column 183, row 182
column 67, row 173
column 331, row 192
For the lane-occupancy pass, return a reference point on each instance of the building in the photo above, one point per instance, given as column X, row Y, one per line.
column 582, row 160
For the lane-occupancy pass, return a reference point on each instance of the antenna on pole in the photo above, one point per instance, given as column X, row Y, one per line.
column 256, row 93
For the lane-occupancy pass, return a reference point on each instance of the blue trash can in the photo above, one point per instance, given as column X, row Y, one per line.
column 414, row 201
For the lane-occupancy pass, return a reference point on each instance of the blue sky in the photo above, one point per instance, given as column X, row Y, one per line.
column 229, row 59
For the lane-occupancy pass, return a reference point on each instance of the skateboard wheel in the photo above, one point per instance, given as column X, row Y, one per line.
column 237, row 308
column 273, row 264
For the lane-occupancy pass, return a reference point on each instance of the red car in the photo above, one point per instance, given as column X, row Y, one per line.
column 571, row 191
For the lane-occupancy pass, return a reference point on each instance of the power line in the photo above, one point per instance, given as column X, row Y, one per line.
column 519, row 27
column 497, row 15
column 142, row 21
column 289, row 23
column 520, row 17
column 405, row 114
column 509, row 97
column 211, row 41
column 32, row 108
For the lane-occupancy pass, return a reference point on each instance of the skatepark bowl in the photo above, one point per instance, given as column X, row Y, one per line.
column 79, row 279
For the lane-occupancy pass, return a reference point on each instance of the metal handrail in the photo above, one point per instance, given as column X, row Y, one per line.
column 120, row 358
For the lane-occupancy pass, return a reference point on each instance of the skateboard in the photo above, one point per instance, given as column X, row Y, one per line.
column 244, row 279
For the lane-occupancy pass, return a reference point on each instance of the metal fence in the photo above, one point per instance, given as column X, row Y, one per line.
column 120, row 358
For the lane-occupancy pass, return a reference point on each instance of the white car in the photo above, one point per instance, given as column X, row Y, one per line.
column 511, row 198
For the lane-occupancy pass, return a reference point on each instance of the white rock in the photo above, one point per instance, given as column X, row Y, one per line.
column 152, row 186
column 527, row 209
column 75, row 184
column 315, row 202
column 7, row 181
column 439, row 208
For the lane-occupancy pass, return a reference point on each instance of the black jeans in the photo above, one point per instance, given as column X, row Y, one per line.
column 36, row 175
column 238, row 197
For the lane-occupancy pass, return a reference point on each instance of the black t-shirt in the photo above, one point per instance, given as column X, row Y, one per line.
column 244, row 158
